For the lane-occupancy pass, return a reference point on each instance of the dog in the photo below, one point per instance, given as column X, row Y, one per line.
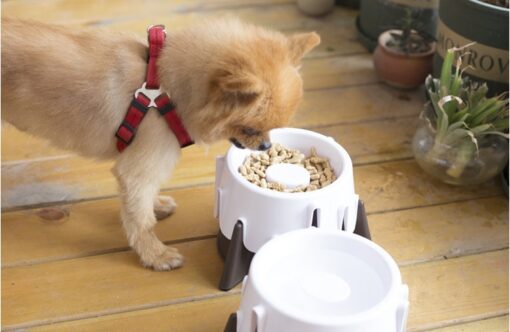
column 228, row 79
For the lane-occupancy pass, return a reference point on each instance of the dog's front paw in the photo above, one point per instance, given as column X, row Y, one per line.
column 164, row 206
column 168, row 259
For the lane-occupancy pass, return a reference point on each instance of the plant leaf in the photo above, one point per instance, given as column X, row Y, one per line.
column 446, row 72
column 498, row 133
column 481, row 128
column 488, row 108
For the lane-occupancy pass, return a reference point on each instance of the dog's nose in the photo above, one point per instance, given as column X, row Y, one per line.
column 264, row 146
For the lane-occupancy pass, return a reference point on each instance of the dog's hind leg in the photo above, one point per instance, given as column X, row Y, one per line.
column 139, row 184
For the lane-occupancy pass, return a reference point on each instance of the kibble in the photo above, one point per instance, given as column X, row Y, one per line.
column 254, row 168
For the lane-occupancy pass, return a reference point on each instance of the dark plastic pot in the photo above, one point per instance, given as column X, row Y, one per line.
column 348, row 3
column 465, row 21
column 377, row 16
column 504, row 179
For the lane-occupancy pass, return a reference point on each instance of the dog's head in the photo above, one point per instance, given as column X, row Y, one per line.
column 249, row 83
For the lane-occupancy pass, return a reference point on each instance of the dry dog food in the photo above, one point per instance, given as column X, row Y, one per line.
column 254, row 168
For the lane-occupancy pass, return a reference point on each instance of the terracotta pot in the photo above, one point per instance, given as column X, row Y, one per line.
column 398, row 69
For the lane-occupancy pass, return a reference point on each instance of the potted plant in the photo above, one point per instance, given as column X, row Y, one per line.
column 463, row 134
column 375, row 16
column 403, row 56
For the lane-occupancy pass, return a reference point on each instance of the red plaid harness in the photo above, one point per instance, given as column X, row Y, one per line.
column 150, row 95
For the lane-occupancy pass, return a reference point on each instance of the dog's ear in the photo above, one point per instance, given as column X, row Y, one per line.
column 238, row 86
column 302, row 43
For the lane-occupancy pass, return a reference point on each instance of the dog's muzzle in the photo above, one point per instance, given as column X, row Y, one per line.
column 262, row 147
column 237, row 144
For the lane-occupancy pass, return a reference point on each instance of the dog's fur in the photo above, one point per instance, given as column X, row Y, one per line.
column 229, row 80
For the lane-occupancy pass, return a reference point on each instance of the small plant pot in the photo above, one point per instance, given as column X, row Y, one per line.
column 400, row 70
column 249, row 215
column 460, row 163
column 322, row 281
column 316, row 7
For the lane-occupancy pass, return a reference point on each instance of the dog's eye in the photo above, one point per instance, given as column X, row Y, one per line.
column 250, row 131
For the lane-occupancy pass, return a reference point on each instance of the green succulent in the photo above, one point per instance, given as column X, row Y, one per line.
column 411, row 36
column 463, row 112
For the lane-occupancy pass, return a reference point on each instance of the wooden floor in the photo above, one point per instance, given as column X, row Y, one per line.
column 66, row 264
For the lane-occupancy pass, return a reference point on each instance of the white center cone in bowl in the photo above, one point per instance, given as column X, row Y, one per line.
column 322, row 281
column 290, row 175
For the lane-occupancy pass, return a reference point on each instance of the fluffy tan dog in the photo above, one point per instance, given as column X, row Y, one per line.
column 229, row 80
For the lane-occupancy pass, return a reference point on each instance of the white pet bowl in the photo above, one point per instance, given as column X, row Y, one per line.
column 322, row 281
column 264, row 213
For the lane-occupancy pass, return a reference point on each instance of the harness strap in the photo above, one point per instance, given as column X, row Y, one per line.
column 157, row 36
column 135, row 114
column 150, row 95
column 167, row 109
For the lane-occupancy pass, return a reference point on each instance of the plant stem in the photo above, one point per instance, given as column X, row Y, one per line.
column 464, row 155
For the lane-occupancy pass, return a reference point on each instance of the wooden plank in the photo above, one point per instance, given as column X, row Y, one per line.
column 130, row 16
column 213, row 315
column 91, row 228
column 104, row 284
column 77, row 178
column 377, row 141
column 404, row 185
column 338, row 71
column 356, row 104
column 442, row 231
column 464, row 288
column 334, row 40
column 498, row 324
column 97, row 10
column 337, row 30
column 180, row 318
column 317, row 73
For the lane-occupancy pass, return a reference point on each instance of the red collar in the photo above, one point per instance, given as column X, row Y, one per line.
column 150, row 95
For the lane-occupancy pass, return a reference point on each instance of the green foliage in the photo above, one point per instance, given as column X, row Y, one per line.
column 412, row 37
column 463, row 112
column 463, row 106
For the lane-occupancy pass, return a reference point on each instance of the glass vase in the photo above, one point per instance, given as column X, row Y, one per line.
column 461, row 162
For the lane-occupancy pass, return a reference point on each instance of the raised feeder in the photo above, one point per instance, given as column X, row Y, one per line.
column 249, row 216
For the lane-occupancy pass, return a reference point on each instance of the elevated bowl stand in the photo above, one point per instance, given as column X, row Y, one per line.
column 238, row 258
